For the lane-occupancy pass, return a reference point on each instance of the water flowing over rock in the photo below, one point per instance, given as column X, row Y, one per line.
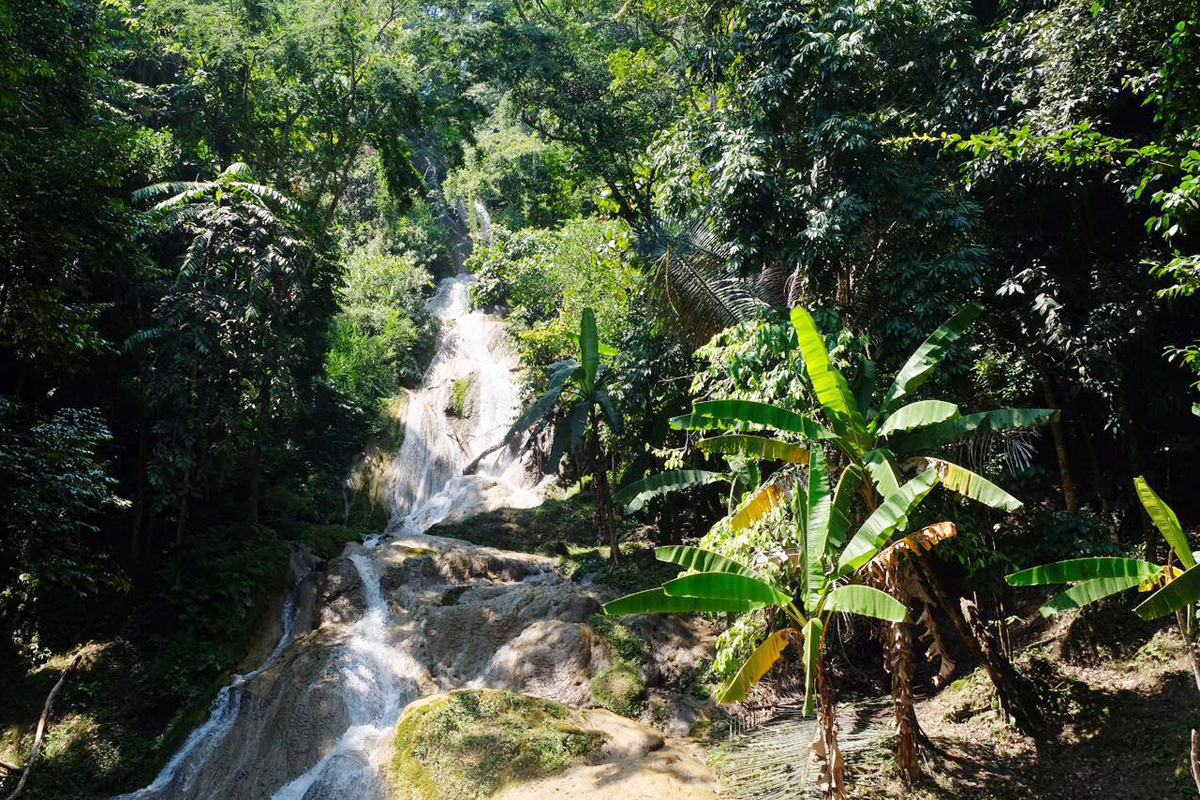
column 405, row 613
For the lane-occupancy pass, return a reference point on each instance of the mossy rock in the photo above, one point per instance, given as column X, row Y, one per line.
column 620, row 689
column 468, row 744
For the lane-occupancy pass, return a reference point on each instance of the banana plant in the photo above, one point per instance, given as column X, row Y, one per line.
column 575, row 402
column 887, row 438
column 1178, row 587
column 822, row 572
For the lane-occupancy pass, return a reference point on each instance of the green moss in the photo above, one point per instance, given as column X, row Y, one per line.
column 620, row 689
column 468, row 744
column 458, row 403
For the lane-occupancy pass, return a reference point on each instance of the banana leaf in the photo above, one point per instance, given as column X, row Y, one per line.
column 761, row 447
column 701, row 560
column 867, row 601
column 928, row 439
column 726, row 414
column 761, row 660
column 726, row 585
column 1087, row 592
column 970, row 484
column 635, row 495
column 820, row 507
column 925, row 358
column 1165, row 520
column 828, row 384
column 1085, row 569
column 918, row 415
column 891, row 514
column 1181, row 592
column 656, row 601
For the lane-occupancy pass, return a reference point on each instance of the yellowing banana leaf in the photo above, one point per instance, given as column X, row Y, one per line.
column 1087, row 592
column 726, row 585
column 656, row 601
column 918, row 415
column 761, row 660
column 970, row 484
column 761, row 447
column 1181, row 592
column 765, row 498
column 1166, row 521
column 1085, row 569
column 701, row 560
column 867, row 601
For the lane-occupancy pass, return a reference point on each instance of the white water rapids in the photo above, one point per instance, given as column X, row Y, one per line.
column 466, row 404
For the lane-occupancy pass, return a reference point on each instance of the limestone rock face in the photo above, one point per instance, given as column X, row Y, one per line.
column 412, row 616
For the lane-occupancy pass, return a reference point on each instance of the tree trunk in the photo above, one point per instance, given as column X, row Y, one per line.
column 264, row 416
column 825, row 753
column 606, row 526
column 1015, row 695
column 1070, row 497
column 898, row 658
column 141, row 502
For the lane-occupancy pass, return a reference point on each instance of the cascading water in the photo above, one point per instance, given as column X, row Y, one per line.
column 467, row 402
column 181, row 771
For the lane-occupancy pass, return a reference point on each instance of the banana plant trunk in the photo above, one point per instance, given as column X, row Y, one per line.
column 899, row 662
column 606, row 524
column 826, row 754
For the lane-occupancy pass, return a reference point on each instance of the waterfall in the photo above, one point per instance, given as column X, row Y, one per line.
column 467, row 402
column 199, row 746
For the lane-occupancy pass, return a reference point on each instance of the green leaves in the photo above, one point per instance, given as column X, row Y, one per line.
column 926, row 357
column 635, row 495
column 927, row 439
column 701, row 560
column 1165, row 520
column 761, row 660
column 1181, row 592
column 918, row 415
column 867, row 601
column 819, row 507
column 726, row 586
column 1086, row 569
column 1087, row 592
column 762, row 447
column 657, row 601
column 725, row 414
column 589, row 349
column 828, row 384
column 893, row 513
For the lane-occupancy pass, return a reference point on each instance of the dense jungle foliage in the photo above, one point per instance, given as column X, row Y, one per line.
column 220, row 221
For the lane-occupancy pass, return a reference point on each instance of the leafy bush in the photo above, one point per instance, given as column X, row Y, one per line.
column 383, row 335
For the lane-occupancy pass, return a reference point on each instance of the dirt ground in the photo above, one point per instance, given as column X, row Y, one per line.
column 1117, row 719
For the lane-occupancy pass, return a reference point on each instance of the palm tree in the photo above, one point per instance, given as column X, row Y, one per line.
column 575, row 403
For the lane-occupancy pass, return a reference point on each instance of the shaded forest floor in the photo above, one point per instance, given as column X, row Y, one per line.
column 1119, row 700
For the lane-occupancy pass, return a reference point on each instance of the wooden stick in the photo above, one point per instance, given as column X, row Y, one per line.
column 39, row 737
